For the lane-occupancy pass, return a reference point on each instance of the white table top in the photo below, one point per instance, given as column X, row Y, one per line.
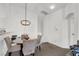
column 18, row 40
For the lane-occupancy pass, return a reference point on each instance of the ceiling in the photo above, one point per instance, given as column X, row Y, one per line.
column 44, row 7
column 38, row 7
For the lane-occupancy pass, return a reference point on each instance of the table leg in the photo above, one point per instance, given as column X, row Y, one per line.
column 21, row 53
column 9, row 53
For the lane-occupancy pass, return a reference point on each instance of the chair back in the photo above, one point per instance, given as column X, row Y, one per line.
column 24, row 36
column 38, row 39
column 29, row 46
column 13, row 37
column 8, row 41
column 78, row 42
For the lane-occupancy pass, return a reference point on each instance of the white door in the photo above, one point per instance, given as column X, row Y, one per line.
column 72, row 36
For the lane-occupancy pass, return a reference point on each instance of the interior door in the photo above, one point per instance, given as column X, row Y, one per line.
column 71, row 29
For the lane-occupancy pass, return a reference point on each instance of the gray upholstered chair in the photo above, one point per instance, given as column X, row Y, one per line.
column 24, row 36
column 11, row 47
column 38, row 41
column 29, row 47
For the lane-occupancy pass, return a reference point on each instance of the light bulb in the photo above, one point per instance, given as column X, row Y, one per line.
column 52, row 7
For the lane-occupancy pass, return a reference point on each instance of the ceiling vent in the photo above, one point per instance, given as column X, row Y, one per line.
column 44, row 12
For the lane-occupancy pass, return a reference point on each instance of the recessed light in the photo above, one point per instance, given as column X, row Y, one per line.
column 52, row 7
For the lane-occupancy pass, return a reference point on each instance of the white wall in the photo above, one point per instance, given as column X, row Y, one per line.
column 15, row 13
column 1, row 23
column 40, row 23
column 78, row 19
column 2, row 15
column 55, row 29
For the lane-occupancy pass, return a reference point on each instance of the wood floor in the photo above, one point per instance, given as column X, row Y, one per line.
column 48, row 49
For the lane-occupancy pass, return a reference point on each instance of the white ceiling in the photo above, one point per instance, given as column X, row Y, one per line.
column 44, row 7
column 38, row 7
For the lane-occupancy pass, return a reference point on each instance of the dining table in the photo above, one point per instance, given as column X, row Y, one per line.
column 3, row 46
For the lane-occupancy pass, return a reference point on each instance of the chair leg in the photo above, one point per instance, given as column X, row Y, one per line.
column 33, row 54
column 39, row 47
column 10, row 53
column 21, row 53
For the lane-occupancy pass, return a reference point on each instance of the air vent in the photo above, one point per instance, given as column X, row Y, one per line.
column 44, row 12
column 70, row 15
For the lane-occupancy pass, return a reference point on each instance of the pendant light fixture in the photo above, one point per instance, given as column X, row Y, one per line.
column 25, row 22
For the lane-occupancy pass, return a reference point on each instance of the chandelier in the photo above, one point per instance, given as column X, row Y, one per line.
column 25, row 22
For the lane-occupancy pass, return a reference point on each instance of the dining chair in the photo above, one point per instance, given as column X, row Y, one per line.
column 12, row 47
column 29, row 47
column 24, row 36
column 13, row 37
column 38, row 42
